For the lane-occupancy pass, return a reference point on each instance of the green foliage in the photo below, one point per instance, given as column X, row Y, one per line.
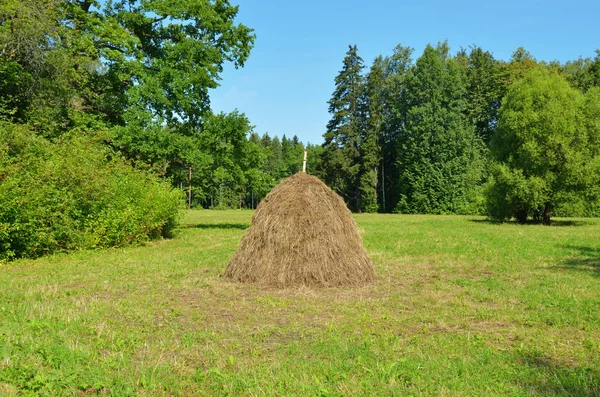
column 485, row 88
column 439, row 156
column 180, row 49
column 45, row 64
column 547, row 148
column 394, row 94
column 511, row 194
column 416, row 137
column 521, row 63
column 142, row 69
column 223, row 139
column 314, row 162
column 372, row 136
column 342, row 157
column 292, row 154
column 595, row 70
column 578, row 73
column 75, row 194
column 116, row 57
column 583, row 73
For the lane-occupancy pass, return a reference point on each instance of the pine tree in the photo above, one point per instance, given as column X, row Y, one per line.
column 265, row 140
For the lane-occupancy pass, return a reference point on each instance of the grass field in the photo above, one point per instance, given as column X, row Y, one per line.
column 461, row 307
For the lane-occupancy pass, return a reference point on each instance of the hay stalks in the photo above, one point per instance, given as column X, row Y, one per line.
column 302, row 233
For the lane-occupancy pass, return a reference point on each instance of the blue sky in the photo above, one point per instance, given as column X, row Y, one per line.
column 288, row 79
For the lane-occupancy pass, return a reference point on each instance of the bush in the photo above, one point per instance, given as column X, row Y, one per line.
column 579, row 207
column 510, row 194
column 75, row 194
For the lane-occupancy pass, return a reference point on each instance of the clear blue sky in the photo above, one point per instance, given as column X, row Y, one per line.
column 300, row 45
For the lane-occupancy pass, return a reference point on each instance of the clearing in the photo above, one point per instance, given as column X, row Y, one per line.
column 460, row 306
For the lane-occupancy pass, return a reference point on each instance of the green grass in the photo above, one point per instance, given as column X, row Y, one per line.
column 461, row 307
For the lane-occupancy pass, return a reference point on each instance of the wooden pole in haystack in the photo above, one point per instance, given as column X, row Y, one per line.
column 304, row 163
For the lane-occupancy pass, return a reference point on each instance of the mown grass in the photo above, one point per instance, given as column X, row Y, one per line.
column 461, row 307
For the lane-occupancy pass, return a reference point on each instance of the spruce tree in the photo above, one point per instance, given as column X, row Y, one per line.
column 275, row 160
column 594, row 70
column 342, row 157
column 292, row 152
column 439, row 158
column 486, row 85
column 372, row 139
column 395, row 91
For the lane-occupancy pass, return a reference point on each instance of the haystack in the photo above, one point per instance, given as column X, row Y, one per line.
column 302, row 233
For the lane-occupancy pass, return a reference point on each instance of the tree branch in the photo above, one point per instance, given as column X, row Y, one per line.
column 85, row 5
column 111, row 47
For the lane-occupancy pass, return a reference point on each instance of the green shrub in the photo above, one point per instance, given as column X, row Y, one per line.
column 578, row 207
column 509, row 193
column 75, row 194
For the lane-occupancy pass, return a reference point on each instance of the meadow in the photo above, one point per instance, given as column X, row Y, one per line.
column 460, row 307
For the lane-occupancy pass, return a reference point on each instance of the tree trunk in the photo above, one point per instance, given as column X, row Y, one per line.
column 521, row 216
column 383, row 184
column 547, row 214
column 85, row 5
column 190, row 189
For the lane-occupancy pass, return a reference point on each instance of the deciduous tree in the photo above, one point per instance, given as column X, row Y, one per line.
column 546, row 148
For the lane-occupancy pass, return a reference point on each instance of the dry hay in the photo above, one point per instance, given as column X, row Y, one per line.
column 302, row 233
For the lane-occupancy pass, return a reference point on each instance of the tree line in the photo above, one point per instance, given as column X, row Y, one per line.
column 127, row 82
column 465, row 133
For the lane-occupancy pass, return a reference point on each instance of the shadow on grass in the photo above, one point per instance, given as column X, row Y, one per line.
column 548, row 377
column 239, row 226
column 582, row 258
column 554, row 223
